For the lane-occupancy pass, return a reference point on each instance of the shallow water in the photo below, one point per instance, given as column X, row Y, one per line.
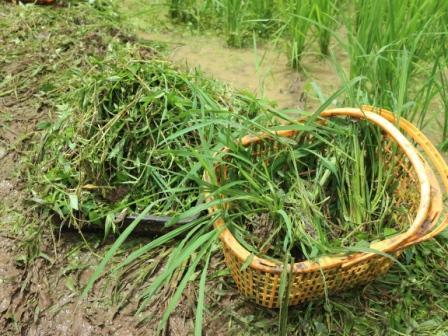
column 264, row 71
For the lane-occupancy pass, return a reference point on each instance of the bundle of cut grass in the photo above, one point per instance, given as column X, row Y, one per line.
column 337, row 185
column 128, row 142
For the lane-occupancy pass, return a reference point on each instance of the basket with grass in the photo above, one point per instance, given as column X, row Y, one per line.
column 359, row 193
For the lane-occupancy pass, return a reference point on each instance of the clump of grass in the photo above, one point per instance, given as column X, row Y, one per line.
column 127, row 142
column 35, row 61
column 323, row 191
column 297, row 15
column 390, row 50
column 441, row 87
column 236, row 19
column 197, row 239
column 183, row 11
column 262, row 14
column 324, row 16
column 234, row 13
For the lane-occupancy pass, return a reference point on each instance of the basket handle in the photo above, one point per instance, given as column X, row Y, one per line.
column 435, row 159
column 420, row 222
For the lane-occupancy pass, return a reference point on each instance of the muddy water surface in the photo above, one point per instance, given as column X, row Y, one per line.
column 264, row 71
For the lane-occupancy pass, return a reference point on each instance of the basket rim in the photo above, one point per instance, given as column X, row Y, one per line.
column 345, row 260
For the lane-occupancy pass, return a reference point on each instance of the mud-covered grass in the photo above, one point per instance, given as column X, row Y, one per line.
column 44, row 271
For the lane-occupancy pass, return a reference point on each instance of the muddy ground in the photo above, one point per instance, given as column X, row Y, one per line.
column 264, row 70
column 42, row 271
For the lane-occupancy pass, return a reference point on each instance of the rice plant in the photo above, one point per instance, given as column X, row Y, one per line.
column 198, row 14
column 442, row 84
column 324, row 15
column 234, row 21
column 262, row 15
column 297, row 16
column 182, row 10
column 387, row 49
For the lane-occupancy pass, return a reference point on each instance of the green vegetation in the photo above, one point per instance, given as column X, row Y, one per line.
column 401, row 53
column 124, row 131
column 113, row 148
column 328, row 188
column 325, row 18
column 393, row 50
column 297, row 26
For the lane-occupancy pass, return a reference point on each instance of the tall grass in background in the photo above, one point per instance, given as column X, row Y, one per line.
column 297, row 16
column 200, row 14
column 239, row 20
column 397, row 46
column 442, row 89
column 234, row 16
column 230, row 16
column 181, row 9
column 390, row 43
column 325, row 13
column 306, row 21
column 261, row 15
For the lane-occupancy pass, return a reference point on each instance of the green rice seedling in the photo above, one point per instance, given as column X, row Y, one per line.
column 389, row 50
column 235, row 21
column 198, row 13
column 285, row 283
column 367, row 176
column 181, row 10
column 297, row 16
column 262, row 16
column 238, row 19
column 442, row 85
column 324, row 15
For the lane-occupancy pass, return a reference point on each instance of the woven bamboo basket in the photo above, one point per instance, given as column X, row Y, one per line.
column 419, row 190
